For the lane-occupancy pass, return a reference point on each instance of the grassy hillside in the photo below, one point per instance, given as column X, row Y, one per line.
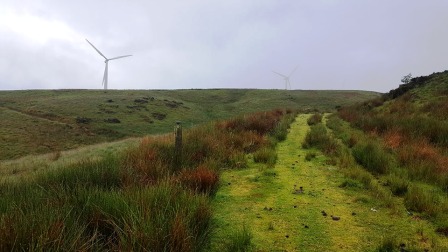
column 402, row 139
column 412, row 122
column 35, row 122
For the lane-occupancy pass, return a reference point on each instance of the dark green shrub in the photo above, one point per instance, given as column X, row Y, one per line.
column 314, row 119
column 331, row 147
column 398, row 186
column 422, row 200
column 310, row 155
column 372, row 157
column 350, row 183
column 415, row 82
column 388, row 244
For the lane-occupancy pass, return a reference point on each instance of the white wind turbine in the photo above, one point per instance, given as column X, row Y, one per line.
column 107, row 63
column 286, row 78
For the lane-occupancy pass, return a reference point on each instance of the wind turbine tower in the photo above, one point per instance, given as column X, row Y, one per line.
column 107, row 63
column 286, row 78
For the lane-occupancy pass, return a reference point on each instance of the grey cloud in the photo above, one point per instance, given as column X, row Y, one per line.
column 337, row 44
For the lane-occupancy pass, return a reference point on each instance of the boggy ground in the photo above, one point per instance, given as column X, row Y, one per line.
column 322, row 216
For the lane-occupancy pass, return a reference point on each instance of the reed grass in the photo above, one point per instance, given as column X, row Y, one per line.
column 266, row 155
column 240, row 241
column 314, row 119
column 137, row 200
column 398, row 185
column 373, row 157
column 416, row 162
column 414, row 128
column 425, row 200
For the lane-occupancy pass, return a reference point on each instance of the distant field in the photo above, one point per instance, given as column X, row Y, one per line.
column 43, row 121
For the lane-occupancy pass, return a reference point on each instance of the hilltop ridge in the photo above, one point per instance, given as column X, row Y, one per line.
column 435, row 80
column 43, row 121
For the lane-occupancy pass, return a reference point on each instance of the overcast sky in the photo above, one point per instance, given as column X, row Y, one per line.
column 336, row 44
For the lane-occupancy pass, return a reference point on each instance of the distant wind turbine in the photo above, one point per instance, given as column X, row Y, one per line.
column 107, row 63
column 286, row 78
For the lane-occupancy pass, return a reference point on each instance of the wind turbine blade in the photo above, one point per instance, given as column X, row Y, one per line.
column 119, row 57
column 293, row 71
column 280, row 74
column 96, row 49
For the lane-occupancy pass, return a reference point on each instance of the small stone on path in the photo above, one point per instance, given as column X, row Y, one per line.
column 335, row 218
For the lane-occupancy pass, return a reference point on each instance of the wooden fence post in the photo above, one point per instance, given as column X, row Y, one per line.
column 177, row 145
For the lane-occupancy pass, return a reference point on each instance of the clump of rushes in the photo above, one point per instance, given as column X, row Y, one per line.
column 310, row 155
column 240, row 240
column 261, row 122
column 373, row 157
column 104, row 173
column 201, row 179
column 398, row 185
column 388, row 243
column 281, row 130
column 266, row 155
column 149, row 162
column 88, row 217
column 319, row 138
column 423, row 200
column 315, row 119
column 316, row 137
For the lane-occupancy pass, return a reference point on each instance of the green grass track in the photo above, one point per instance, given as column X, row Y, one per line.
column 268, row 202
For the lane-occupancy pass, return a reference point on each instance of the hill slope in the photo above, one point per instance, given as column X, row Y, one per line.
column 412, row 120
column 415, row 111
column 402, row 138
column 35, row 122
